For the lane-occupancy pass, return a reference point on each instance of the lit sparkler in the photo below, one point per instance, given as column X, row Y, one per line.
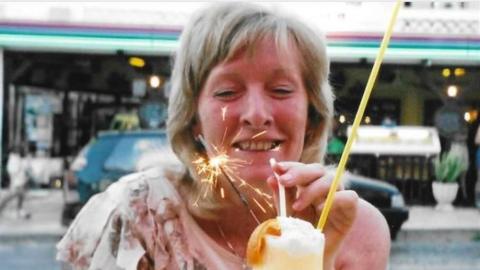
column 209, row 169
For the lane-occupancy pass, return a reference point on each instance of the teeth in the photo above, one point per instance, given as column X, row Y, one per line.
column 244, row 145
column 257, row 146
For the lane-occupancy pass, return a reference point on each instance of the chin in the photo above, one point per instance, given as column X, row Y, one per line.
column 255, row 173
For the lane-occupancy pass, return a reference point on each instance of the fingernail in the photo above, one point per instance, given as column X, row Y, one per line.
column 286, row 178
column 280, row 165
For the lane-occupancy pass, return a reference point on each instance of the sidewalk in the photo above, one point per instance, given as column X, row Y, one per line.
column 438, row 240
column 428, row 224
column 46, row 207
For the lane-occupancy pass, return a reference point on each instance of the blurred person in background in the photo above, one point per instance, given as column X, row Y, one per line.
column 18, row 166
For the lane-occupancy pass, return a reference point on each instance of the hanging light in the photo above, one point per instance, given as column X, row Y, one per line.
column 368, row 120
column 446, row 72
column 342, row 119
column 154, row 81
column 467, row 116
column 136, row 62
column 452, row 91
column 459, row 72
column 470, row 116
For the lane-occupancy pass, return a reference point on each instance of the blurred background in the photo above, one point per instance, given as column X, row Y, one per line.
column 85, row 84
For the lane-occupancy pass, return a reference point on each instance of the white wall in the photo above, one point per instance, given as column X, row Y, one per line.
column 358, row 16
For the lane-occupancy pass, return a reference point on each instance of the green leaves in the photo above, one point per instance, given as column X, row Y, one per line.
column 448, row 168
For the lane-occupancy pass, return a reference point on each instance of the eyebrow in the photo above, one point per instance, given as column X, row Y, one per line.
column 289, row 73
column 281, row 71
column 227, row 75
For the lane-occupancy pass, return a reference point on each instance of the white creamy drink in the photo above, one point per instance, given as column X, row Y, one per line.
column 299, row 246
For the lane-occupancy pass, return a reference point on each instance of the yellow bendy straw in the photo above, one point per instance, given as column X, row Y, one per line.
column 358, row 117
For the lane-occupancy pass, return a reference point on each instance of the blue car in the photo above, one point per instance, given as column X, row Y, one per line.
column 106, row 158
column 112, row 155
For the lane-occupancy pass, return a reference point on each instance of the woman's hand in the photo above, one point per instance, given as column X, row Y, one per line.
column 307, row 187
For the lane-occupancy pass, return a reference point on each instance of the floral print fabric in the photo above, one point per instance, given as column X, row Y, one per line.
column 138, row 223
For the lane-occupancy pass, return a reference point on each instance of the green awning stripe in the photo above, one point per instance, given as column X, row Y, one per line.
column 155, row 46
column 89, row 34
column 396, row 53
column 410, row 45
column 163, row 46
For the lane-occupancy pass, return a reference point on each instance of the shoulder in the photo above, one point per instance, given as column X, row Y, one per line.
column 367, row 246
column 99, row 232
column 156, row 181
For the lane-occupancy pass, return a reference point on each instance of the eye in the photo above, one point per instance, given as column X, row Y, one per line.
column 225, row 93
column 282, row 90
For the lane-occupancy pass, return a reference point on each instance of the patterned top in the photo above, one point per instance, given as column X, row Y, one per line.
column 141, row 222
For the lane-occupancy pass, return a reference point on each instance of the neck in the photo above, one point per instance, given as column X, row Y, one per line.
column 232, row 227
column 239, row 212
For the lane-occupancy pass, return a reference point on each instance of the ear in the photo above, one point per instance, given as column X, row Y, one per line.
column 196, row 129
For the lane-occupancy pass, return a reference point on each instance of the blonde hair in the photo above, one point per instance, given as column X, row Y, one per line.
column 214, row 35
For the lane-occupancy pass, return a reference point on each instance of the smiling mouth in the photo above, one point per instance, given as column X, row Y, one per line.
column 257, row 145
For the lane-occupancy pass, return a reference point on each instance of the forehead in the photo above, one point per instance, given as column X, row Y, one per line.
column 283, row 52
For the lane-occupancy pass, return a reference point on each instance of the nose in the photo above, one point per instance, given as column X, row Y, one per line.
column 257, row 111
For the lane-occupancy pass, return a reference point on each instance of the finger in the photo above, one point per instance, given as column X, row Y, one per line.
column 308, row 214
column 283, row 166
column 315, row 194
column 298, row 174
column 290, row 197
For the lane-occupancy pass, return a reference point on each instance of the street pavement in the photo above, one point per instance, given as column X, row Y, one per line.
column 438, row 240
column 45, row 207
column 430, row 239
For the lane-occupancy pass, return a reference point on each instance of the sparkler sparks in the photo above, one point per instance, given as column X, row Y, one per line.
column 260, row 206
column 210, row 169
column 259, row 134
column 224, row 112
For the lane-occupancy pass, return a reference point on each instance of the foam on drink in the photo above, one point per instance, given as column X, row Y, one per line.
column 291, row 244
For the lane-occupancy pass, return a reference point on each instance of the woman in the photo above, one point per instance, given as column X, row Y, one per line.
column 251, row 85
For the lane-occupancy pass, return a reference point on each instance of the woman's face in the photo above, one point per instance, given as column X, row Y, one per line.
column 254, row 107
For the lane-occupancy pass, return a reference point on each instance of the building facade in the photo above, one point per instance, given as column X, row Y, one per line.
column 68, row 68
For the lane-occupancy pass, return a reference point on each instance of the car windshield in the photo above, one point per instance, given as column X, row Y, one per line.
column 97, row 151
column 129, row 149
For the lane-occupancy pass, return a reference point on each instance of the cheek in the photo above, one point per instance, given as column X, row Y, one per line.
column 212, row 122
column 294, row 123
column 295, row 115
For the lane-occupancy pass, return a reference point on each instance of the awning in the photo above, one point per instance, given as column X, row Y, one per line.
column 342, row 46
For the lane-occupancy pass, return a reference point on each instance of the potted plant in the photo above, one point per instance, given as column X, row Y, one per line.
column 448, row 168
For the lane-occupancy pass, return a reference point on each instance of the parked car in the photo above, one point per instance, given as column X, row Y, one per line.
column 106, row 158
column 114, row 154
column 386, row 197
